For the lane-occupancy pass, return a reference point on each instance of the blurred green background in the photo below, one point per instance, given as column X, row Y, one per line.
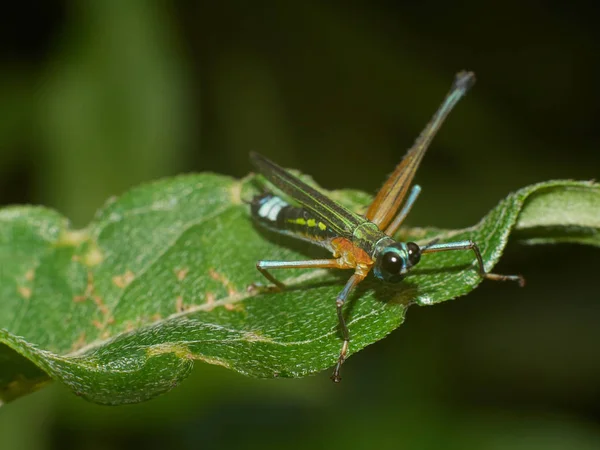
column 98, row 96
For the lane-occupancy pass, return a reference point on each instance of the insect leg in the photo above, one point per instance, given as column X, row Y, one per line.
column 264, row 267
column 410, row 201
column 339, row 303
column 470, row 245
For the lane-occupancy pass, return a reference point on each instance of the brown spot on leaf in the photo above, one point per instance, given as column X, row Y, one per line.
column 24, row 291
column 100, row 304
column 210, row 300
column 234, row 307
column 223, row 280
column 89, row 289
column 122, row 281
column 30, row 275
column 93, row 256
column 179, row 306
column 156, row 317
column 181, row 273
column 97, row 324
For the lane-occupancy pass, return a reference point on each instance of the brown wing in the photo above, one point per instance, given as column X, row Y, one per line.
column 390, row 196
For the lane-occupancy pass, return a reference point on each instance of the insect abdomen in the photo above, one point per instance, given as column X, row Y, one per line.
column 275, row 213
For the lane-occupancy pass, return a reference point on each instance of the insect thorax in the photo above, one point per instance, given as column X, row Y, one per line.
column 278, row 215
column 368, row 237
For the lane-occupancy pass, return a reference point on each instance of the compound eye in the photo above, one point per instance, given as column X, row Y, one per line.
column 391, row 262
column 414, row 253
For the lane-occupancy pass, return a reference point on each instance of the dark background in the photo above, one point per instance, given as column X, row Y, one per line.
column 98, row 96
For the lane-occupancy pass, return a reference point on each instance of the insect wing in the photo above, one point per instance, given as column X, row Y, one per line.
column 390, row 196
column 340, row 219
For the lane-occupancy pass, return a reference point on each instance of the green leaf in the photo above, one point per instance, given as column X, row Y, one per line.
column 163, row 277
